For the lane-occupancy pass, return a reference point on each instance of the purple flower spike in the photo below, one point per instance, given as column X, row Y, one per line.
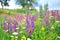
column 32, row 24
column 46, row 21
column 5, row 25
column 15, row 25
column 29, row 24
column 10, row 27
column 15, row 28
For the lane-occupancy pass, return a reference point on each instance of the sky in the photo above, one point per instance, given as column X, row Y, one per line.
column 52, row 4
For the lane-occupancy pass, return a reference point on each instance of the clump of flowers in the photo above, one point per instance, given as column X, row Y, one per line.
column 5, row 26
column 15, row 25
column 10, row 24
column 29, row 24
column 19, row 17
column 46, row 21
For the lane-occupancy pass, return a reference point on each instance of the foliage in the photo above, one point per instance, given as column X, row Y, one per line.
column 4, row 3
column 25, row 2
column 3, row 35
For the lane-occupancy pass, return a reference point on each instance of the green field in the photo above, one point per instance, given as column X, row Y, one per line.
column 19, row 25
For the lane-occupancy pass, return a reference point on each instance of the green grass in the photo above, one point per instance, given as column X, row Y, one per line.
column 12, row 11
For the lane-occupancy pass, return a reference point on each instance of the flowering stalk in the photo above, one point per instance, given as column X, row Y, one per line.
column 32, row 24
column 46, row 21
column 4, row 25
column 19, row 17
column 10, row 26
column 15, row 26
column 29, row 24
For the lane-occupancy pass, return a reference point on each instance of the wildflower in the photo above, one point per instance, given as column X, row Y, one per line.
column 15, row 33
column 10, row 26
column 29, row 24
column 46, row 21
column 28, row 28
column 32, row 24
column 19, row 17
column 28, row 39
column 15, row 25
column 5, row 25
column 24, row 37
column 42, row 28
column 17, row 28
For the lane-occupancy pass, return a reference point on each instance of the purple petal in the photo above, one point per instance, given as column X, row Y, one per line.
column 46, row 21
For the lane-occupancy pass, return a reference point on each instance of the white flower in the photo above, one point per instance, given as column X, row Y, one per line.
column 17, row 28
column 28, row 39
column 15, row 33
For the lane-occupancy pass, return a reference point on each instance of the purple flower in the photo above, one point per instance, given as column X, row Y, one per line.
column 32, row 27
column 58, row 17
column 32, row 21
column 15, row 25
column 53, row 13
column 46, row 21
column 19, row 17
column 10, row 26
column 15, row 28
column 5, row 25
column 29, row 24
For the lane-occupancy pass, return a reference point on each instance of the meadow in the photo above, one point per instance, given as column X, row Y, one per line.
column 21, row 25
